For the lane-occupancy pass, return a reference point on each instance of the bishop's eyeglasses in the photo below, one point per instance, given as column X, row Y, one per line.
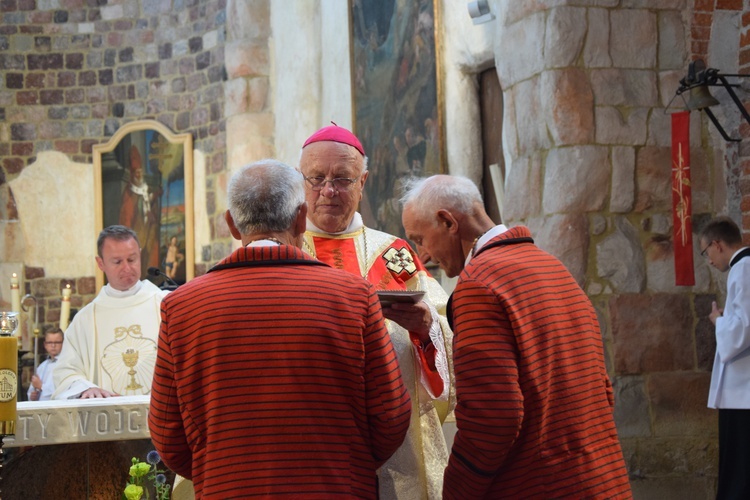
column 339, row 183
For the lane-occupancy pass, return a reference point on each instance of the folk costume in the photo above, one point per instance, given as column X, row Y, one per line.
column 264, row 389
column 111, row 343
column 535, row 403
column 416, row 470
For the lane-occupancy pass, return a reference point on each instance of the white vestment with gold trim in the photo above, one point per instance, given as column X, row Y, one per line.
column 111, row 343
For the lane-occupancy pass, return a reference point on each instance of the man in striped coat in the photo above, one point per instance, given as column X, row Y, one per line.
column 275, row 373
column 534, row 411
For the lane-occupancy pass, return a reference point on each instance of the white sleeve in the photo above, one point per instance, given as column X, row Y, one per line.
column 441, row 357
column 70, row 375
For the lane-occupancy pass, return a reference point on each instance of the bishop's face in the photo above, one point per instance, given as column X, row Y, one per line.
column 331, row 206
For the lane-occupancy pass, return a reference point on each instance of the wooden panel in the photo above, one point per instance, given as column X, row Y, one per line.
column 491, row 111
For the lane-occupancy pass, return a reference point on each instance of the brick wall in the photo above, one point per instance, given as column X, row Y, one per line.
column 73, row 71
column 702, row 23
column 744, row 151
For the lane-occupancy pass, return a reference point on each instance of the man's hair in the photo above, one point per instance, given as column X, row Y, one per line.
column 54, row 331
column 451, row 192
column 117, row 233
column 265, row 196
column 722, row 229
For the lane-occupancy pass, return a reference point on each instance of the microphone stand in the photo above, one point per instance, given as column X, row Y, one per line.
column 167, row 282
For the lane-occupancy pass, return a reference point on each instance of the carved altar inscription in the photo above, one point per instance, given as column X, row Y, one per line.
column 81, row 421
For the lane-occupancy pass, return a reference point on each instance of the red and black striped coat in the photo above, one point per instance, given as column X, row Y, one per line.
column 275, row 375
column 535, row 403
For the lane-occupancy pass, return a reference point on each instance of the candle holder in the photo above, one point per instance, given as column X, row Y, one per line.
column 8, row 377
column 25, row 343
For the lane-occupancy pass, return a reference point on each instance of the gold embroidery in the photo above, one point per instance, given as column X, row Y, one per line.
column 399, row 261
column 681, row 172
column 308, row 247
column 134, row 330
column 130, row 358
column 384, row 280
column 338, row 258
column 126, row 360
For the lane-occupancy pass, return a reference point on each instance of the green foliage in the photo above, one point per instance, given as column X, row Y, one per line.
column 148, row 470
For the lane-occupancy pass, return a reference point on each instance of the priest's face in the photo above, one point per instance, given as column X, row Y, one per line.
column 120, row 262
column 331, row 205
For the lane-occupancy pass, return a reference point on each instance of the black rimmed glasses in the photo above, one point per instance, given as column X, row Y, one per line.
column 339, row 183
column 705, row 250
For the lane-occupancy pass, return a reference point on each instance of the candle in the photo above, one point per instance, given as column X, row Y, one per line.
column 15, row 294
column 8, row 373
column 65, row 308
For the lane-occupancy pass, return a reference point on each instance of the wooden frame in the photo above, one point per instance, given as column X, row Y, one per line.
column 147, row 151
column 397, row 100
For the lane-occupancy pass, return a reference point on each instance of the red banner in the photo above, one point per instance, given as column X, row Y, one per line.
column 682, row 225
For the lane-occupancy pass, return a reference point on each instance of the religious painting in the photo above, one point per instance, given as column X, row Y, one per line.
column 395, row 88
column 144, row 180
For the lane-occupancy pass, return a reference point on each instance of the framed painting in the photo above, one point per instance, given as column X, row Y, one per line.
column 144, row 180
column 397, row 100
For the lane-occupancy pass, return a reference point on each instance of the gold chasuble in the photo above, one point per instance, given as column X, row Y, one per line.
column 111, row 344
column 415, row 471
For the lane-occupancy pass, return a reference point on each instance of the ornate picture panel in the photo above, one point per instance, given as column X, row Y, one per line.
column 144, row 180
column 397, row 102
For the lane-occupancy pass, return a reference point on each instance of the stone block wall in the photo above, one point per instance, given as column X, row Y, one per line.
column 588, row 148
column 73, row 71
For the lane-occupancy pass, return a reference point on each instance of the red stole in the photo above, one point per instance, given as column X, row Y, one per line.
column 390, row 271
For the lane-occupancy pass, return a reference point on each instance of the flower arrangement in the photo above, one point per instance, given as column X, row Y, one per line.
column 140, row 471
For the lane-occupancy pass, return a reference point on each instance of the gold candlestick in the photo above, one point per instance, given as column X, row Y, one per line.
column 8, row 372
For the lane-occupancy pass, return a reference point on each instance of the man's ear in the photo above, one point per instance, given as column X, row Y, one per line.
column 232, row 228
column 361, row 181
column 100, row 263
column 300, row 222
column 446, row 219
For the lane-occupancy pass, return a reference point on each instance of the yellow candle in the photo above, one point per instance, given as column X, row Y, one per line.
column 65, row 308
column 15, row 294
column 8, row 384
column 8, row 373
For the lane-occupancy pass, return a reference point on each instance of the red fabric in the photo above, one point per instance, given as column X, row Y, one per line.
column 682, row 225
column 336, row 134
column 341, row 253
column 277, row 380
column 535, row 404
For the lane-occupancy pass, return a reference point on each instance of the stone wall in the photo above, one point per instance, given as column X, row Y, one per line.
column 71, row 73
column 248, row 109
column 588, row 87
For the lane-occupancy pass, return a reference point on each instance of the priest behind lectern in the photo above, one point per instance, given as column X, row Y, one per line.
column 110, row 346
column 276, row 374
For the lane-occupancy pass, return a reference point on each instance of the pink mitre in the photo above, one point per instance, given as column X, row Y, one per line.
column 336, row 134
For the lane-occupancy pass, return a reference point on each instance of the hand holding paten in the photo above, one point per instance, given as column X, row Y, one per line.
column 416, row 318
